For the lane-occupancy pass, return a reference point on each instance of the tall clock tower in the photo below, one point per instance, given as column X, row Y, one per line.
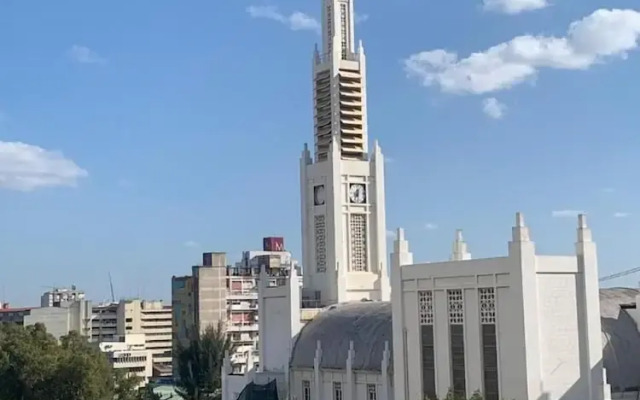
column 342, row 182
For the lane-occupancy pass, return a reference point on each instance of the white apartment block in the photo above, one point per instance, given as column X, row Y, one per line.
column 130, row 355
column 152, row 319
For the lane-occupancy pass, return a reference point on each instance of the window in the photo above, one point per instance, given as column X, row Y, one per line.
column 372, row 393
column 425, row 315
column 321, row 249
column 358, row 228
column 337, row 391
column 306, row 390
column 489, row 343
column 456, row 339
column 343, row 30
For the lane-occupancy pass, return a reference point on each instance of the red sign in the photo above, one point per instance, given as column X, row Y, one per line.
column 273, row 244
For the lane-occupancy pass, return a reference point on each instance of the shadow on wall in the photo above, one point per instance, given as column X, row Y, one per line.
column 577, row 390
column 622, row 352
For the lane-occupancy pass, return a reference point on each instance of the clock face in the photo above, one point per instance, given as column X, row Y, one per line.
column 357, row 193
column 319, row 195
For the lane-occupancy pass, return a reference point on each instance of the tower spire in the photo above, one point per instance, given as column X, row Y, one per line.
column 460, row 251
column 337, row 27
column 340, row 85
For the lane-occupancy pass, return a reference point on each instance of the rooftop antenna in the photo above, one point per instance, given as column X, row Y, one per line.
column 113, row 297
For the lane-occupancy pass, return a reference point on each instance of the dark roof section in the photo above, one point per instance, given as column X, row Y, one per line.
column 366, row 324
column 253, row 391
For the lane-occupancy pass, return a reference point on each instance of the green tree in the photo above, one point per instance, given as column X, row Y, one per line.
column 35, row 366
column 200, row 364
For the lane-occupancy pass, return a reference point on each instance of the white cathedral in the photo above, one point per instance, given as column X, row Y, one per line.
column 523, row 326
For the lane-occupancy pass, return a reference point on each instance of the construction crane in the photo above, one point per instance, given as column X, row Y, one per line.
column 113, row 297
column 619, row 274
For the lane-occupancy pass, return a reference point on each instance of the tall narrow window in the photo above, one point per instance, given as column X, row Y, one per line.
column 358, row 232
column 372, row 393
column 306, row 390
column 489, row 343
column 456, row 336
column 425, row 316
column 320, row 239
column 343, row 30
column 337, row 391
column 329, row 30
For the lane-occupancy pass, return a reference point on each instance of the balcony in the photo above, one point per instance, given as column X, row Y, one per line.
column 242, row 327
column 242, row 294
column 243, row 307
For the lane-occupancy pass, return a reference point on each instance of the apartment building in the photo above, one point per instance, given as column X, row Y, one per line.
column 151, row 319
column 63, row 317
column 131, row 355
column 217, row 291
column 9, row 315
column 198, row 300
column 58, row 296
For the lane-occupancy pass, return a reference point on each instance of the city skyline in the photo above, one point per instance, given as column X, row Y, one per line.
column 206, row 162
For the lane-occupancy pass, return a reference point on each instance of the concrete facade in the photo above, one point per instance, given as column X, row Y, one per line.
column 152, row 319
column 112, row 322
column 130, row 355
column 544, row 311
column 342, row 185
column 234, row 298
column 74, row 315
column 58, row 296
column 545, row 324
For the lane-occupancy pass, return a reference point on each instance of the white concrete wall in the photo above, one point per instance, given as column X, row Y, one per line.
column 545, row 312
column 327, row 378
column 279, row 319
column 337, row 283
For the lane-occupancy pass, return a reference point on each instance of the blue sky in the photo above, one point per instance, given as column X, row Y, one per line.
column 136, row 135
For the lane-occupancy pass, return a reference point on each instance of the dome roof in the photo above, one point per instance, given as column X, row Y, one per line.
column 369, row 326
column 366, row 324
column 620, row 338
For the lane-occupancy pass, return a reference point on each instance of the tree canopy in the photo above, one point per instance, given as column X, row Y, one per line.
column 199, row 367
column 35, row 366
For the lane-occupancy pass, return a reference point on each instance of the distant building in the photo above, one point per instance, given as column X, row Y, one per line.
column 130, row 354
column 152, row 319
column 219, row 292
column 58, row 296
column 66, row 316
column 10, row 315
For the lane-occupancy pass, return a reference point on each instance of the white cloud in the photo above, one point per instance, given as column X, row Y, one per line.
column 85, row 55
column 297, row 21
column 391, row 235
column 360, row 18
column 493, row 108
column 191, row 244
column 25, row 167
column 621, row 215
column 597, row 38
column 514, row 6
column 430, row 226
column 566, row 213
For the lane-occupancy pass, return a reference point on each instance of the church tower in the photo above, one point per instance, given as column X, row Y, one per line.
column 342, row 183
